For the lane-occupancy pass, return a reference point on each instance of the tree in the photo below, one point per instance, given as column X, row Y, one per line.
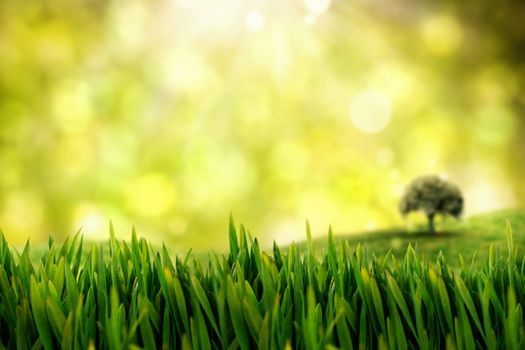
column 432, row 195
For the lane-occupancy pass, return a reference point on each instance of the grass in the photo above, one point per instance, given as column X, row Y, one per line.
column 468, row 237
column 127, row 295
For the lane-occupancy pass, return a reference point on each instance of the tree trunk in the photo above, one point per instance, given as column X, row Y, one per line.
column 431, row 227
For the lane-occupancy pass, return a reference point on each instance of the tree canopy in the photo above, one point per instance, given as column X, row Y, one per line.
column 432, row 195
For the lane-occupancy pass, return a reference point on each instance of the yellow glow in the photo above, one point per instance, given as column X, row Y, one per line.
column 171, row 113
column 184, row 3
column 310, row 19
column 128, row 24
column 493, row 83
column 356, row 218
column 89, row 218
column 443, row 176
column 317, row 6
column 182, row 70
column 254, row 20
column 442, row 34
column 487, row 195
column 371, row 226
column 151, row 195
column 394, row 175
column 398, row 189
column 319, row 209
column 21, row 216
column 53, row 45
column 72, row 106
column 384, row 156
column 401, row 83
column 370, row 111
column 287, row 231
column 290, row 161
column 178, row 226
column 494, row 125
column 74, row 154
column 212, row 177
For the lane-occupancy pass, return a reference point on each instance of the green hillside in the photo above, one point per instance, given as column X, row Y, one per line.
column 464, row 236
column 455, row 237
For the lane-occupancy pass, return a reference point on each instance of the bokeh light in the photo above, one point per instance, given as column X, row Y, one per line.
column 91, row 221
column 254, row 20
column 168, row 115
column 370, row 111
column 317, row 6
column 442, row 34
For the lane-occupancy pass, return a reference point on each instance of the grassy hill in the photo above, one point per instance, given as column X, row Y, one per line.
column 465, row 237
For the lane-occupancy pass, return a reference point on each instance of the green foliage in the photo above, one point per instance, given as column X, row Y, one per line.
column 131, row 296
column 432, row 195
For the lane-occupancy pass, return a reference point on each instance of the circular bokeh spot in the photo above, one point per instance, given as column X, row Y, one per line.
column 370, row 111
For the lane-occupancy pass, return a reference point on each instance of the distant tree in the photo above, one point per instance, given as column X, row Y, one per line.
column 432, row 195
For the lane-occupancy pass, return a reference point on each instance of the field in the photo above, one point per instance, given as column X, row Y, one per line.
column 313, row 295
column 470, row 237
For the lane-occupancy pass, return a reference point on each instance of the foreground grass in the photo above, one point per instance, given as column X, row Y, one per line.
column 134, row 297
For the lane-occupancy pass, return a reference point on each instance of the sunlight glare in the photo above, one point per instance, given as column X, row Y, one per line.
column 317, row 6
column 184, row 3
column 487, row 195
column 371, row 226
column 254, row 21
column 287, row 231
column 310, row 19
column 89, row 219
column 385, row 156
column 370, row 111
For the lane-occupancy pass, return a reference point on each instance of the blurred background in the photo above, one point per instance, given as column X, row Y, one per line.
column 169, row 114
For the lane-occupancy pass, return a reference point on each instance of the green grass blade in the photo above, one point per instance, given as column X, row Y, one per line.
column 39, row 314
